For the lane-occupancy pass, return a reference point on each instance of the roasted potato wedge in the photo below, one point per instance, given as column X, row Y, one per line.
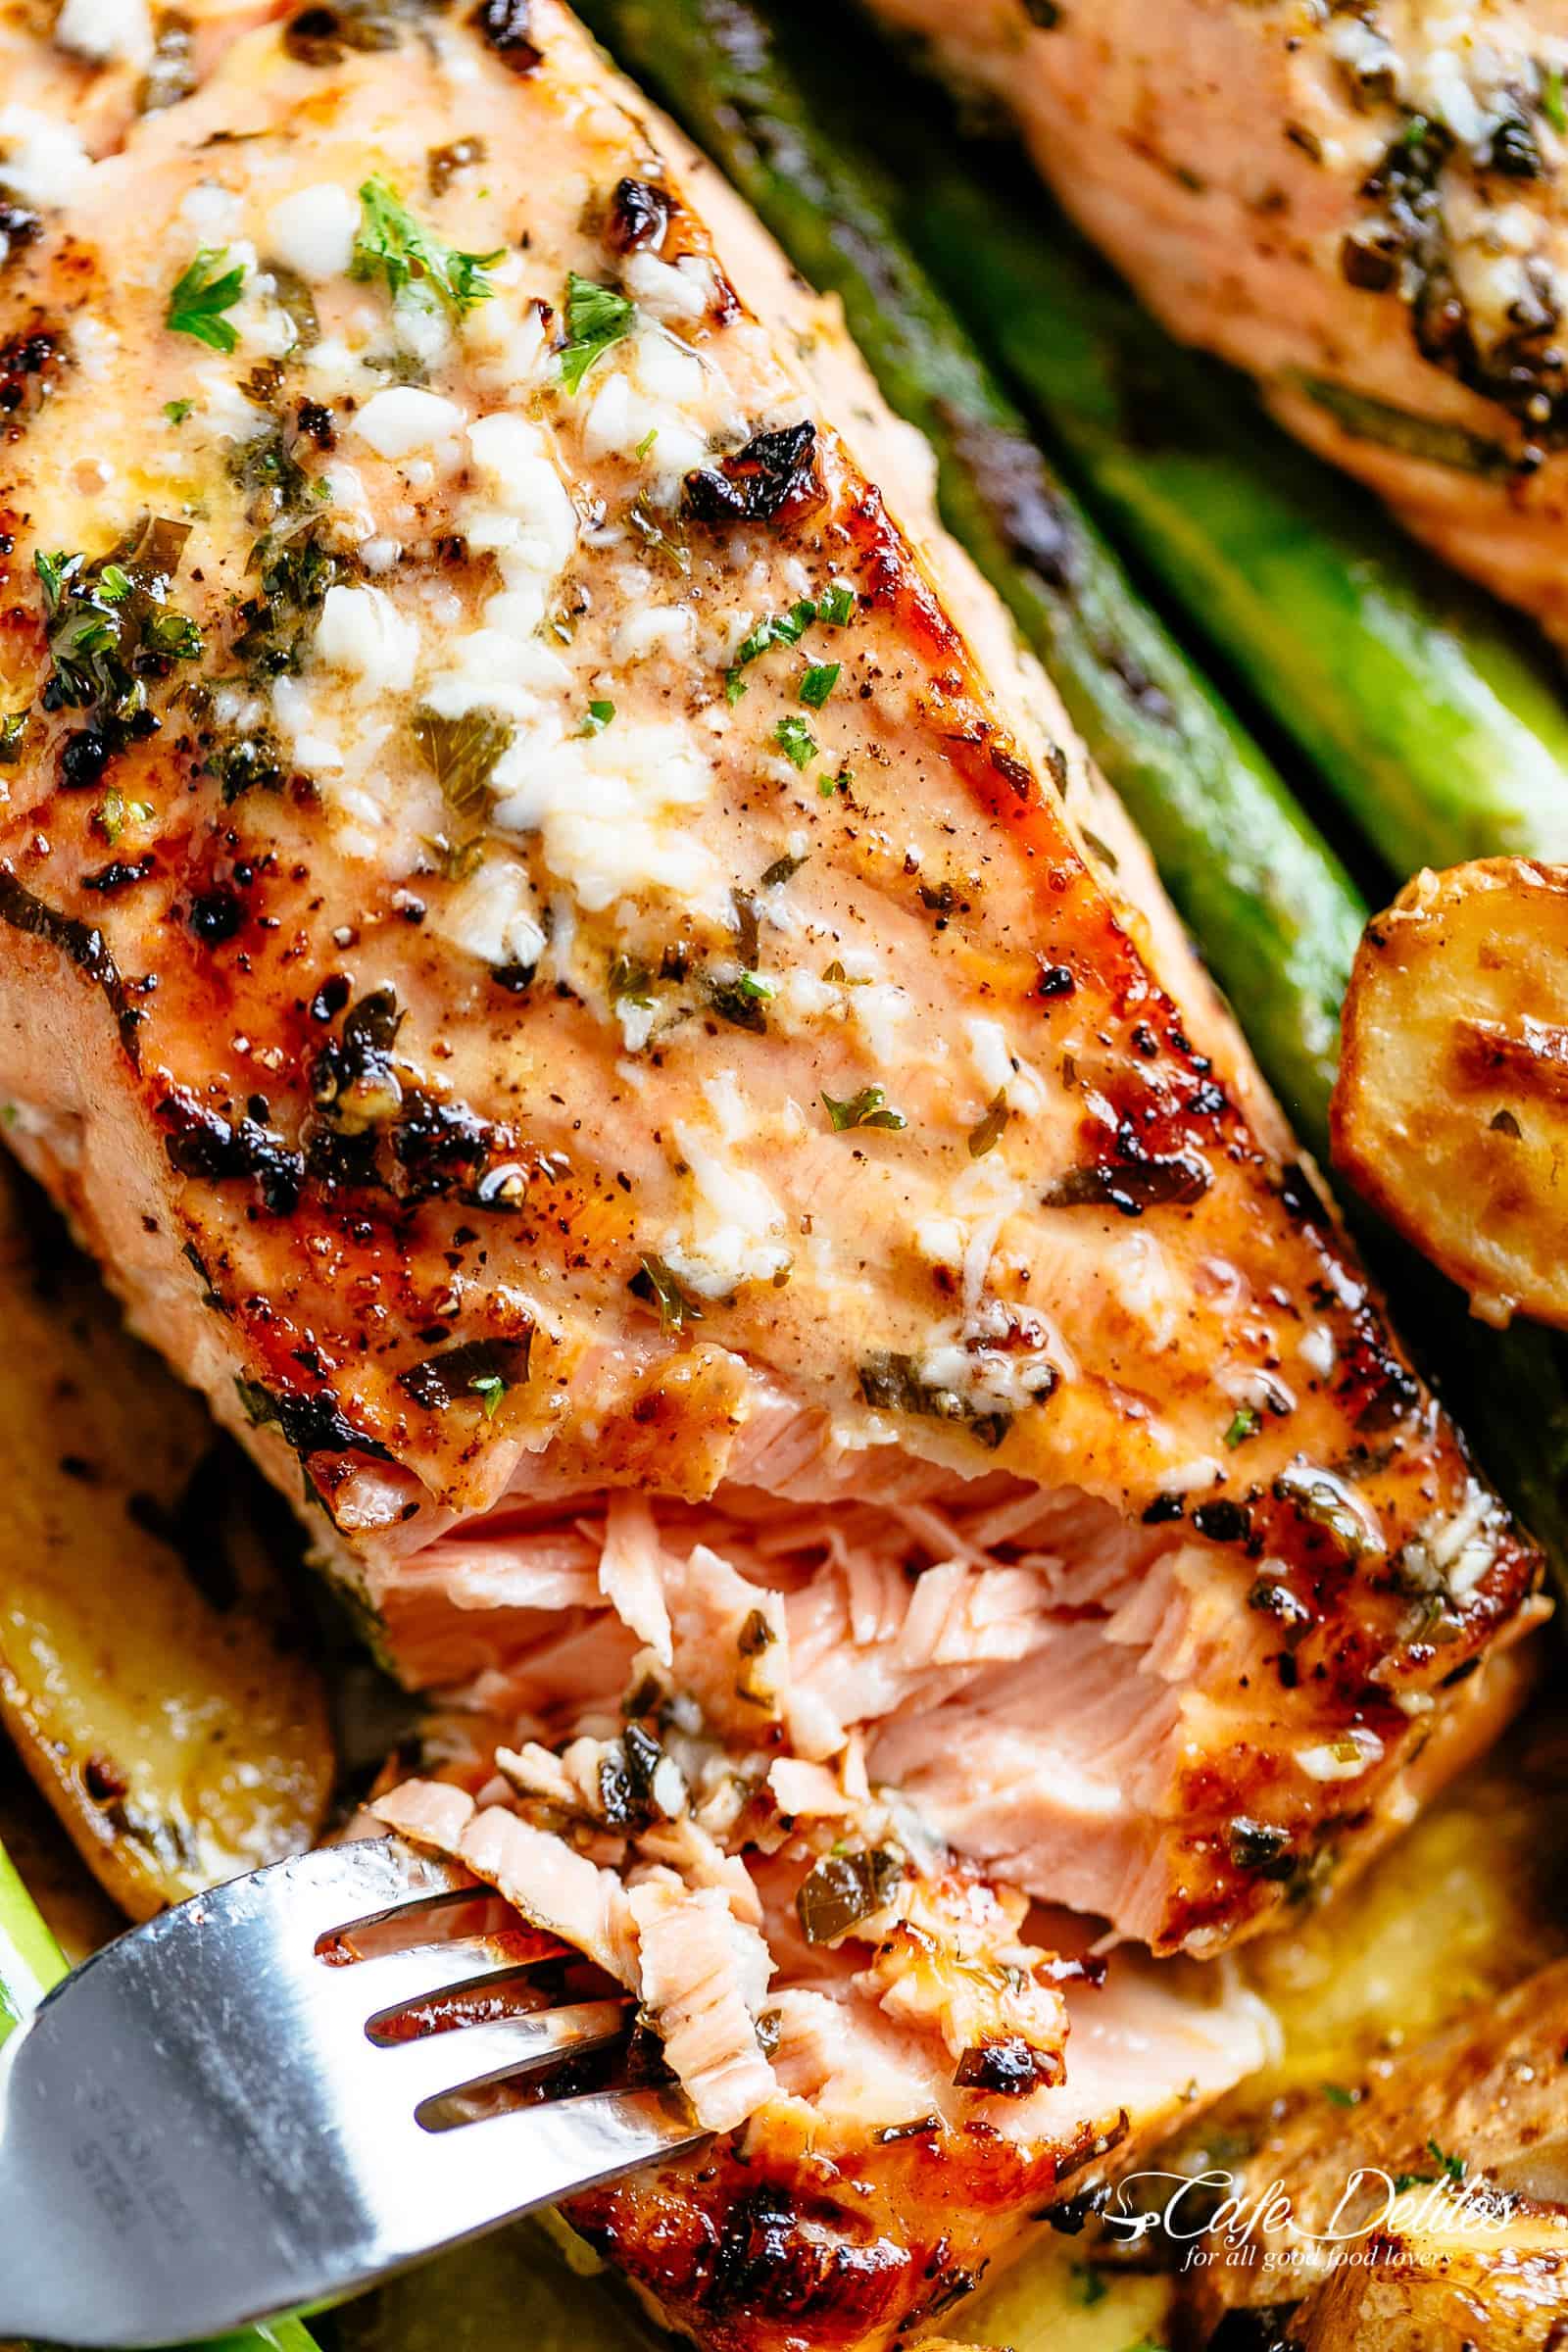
column 1418, row 2285
column 1473, row 2116
column 1451, row 1114
column 149, row 1670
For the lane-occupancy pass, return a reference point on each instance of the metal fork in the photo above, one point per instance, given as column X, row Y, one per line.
column 206, row 2125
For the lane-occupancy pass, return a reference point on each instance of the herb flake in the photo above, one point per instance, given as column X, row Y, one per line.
column 987, row 1133
column 868, row 1109
column 460, row 753
column 204, row 290
column 659, row 1285
column 392, row 244
column 796, row 741
column 597, row 317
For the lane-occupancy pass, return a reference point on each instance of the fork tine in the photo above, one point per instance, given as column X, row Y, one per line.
column 469, row 2179
column 434, row 2066
column 369, row 1990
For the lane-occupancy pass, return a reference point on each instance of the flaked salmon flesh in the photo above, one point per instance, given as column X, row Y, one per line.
column 1362, row 207
column 582, row 989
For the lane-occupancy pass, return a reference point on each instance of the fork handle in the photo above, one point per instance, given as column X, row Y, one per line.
column 85, row 2253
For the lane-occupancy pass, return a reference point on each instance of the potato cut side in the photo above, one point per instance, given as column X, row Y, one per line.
column 1446, row 2274
column 149, row 1670
column 1450, row 1113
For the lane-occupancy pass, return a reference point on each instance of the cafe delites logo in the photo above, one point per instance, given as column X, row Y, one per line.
column 1220, row 2218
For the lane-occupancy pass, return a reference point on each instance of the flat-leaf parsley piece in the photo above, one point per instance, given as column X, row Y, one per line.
column 597, row 718
column 393, row 245
column 819, row 682
column 597, row 317
column 658, row 1286
column 985, row 1136
column 796, row 741
column 201, row 294
column 868, row 1109
column 460, row 753
column 774, row 628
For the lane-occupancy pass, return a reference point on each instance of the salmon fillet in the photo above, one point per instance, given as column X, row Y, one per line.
column 585, row 993
column 1362, row 207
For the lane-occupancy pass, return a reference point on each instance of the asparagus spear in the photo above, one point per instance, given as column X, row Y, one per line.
column 30, row 1963
column 30, row 1960
column 1277, row 915
column 1421, row 704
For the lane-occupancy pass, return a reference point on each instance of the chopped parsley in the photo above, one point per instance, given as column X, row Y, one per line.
column 598, row 718
column 202, row 293
column 393, row 245
column 111, row 629
column 597, row 317
column 460, row 753
column 741, row 1001
column 485, row 1369
column 827, row 786
column 659, row 1286
column 1338, row 2097
column 1554, row 103
column 630, row 981
column 835, row 608
column 1452, row 2169
column 796, row 741
column 868, row 1109
column 986, row 1133
column 1092, row 2288
column 656, row 541
column 53, row 572
column 1246, row 1424
column 842, row 1889
column 177, row 410
column 645, row 445
column 13, row 727
column 776, row 628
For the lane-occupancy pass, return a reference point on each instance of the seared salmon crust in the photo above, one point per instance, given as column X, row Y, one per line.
column 582, row 989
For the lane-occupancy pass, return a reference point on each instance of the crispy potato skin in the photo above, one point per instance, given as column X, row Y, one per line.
column 1419, row 2289
column 180, row 1733
column 1452, row 1107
